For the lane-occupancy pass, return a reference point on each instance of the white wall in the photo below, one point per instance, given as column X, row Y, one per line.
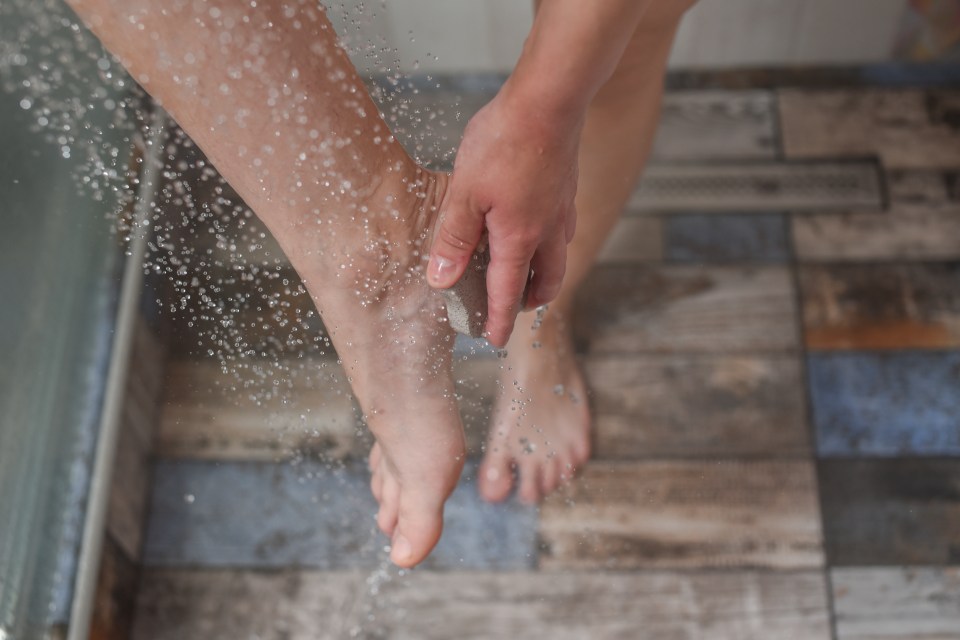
column 487, row 35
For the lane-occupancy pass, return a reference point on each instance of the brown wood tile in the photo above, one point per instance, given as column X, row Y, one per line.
column 650, row 406
column 897, row 603
column 629, row 309
column 891, row 511
column 900, row 125
column 257, row 410
column 268, row 410
column 877, row 306
column 115, row 596
column 302, row 605
column 686, row 514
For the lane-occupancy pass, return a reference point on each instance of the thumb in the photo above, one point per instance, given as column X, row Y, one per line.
column 454, row 240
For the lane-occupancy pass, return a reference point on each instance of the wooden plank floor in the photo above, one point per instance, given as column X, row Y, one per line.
column 775, row 388
column 305, row 605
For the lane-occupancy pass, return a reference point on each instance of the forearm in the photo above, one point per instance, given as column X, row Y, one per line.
column 572, row 50
column 264, row 89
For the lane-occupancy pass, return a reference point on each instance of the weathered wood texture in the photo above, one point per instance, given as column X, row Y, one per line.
column 891, row 512
column 307, row 514
column 897, row 603
column 712, row 238
column 897, row 403
column 881, row 306
column 921, row 223
column 701, row 125
column 908, row 129
column 114, row 600
column 303, row 605
column 269, row 410
column 666, row 309
column 684, row 514
column 634, row 239
column 685, row 406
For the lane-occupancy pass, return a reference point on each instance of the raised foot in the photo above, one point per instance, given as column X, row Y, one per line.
column 364, row 271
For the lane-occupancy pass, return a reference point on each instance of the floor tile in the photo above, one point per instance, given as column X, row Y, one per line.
column 896, row 603
column 660, row 514
column 306, row 605
column 628, row 309
column 291, row 407
column 905, row 232
column 634, row 239
column 881, row 306
column 716, row 124
column 738, row 187
column 886, row 404
column 262, row 515
column 114, row 601
column 891, row 512
column 687, row 406
column 920, row 223
column 899, row 125
column 726, row 238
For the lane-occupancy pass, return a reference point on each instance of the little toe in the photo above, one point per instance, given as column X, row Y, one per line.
column 417, row 531
column 494, row 478
column 389, row 506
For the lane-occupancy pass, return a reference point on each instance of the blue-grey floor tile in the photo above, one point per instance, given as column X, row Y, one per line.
column 886, row 404
column 726, row 238
column 266, row 515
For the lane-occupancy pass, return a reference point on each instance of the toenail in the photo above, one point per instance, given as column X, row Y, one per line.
column 401, row 549
column 493, row 474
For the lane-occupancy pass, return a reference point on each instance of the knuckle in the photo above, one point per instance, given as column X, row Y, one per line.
column 455, row 238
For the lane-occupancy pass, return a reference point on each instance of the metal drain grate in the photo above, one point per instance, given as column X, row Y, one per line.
column 759, row 187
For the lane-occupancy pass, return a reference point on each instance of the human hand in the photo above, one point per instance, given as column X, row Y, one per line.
column 515, row 177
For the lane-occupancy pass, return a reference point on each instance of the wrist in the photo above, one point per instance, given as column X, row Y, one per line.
column 540, row 108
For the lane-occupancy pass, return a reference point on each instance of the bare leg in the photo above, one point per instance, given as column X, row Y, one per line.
column 266, row 92
column 541, row 422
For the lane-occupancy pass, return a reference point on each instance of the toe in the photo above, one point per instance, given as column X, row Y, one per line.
column 550, row 475
column 374, row 460
column 376, row 484
column 417, row 532
column 494, row 477
column 389, row 506
column 529, row 470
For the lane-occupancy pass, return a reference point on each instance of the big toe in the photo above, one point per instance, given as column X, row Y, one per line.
column 417, row 532
column 494, row 477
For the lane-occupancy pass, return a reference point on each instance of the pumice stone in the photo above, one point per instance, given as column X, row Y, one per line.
column 467, row 299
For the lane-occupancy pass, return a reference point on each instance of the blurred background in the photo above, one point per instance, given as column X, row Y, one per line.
column 775, row 386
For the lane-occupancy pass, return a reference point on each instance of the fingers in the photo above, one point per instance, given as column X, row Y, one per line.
column 506, row 279
column 549, row 264
column 454, row 241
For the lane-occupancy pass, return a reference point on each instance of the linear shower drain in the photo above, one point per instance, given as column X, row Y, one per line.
column 759, row 187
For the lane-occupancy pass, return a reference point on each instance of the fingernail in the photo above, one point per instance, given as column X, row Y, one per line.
column 493, row 474
column 440, row 270
column 400, row 549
